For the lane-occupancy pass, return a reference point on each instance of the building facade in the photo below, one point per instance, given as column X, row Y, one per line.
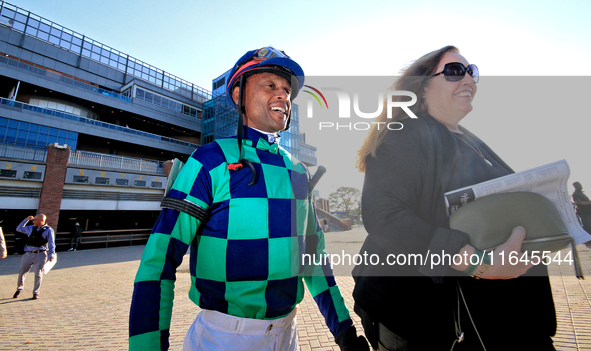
column 86, row 130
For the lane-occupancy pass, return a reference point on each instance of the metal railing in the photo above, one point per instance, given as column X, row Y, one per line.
column 23, row 152
column 28, row 23
column 76, row 118
column 52, row 75
column 92, row 159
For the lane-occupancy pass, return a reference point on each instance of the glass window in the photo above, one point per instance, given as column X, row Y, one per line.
column 56, row 32
column 165, row 102
column 20, row 17
column 32, row 31
column 12, row 124
column 149, row 96
column 72, row 143
column 54, row 40
column 10, row 134
column 18, row 26
column 65, row 44
column 44, row 27
column 42, row 140
column 43, row 36
column 32, row 139
column 52, row 132
column 139, row 93
column 43, row 130
column 2, row 132
column 66, row 37
column 7, row 12
column 77, row 41
column 157, row 99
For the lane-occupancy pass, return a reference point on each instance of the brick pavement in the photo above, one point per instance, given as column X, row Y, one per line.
column 85, row 302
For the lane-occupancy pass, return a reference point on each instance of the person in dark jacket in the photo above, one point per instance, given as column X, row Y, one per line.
column 583, row 206
column 428, row 305
column 75, row 237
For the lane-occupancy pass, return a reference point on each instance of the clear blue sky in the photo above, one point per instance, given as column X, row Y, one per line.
column 198, row 40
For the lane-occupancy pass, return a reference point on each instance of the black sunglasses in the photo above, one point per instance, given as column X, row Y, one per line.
column 455, row 71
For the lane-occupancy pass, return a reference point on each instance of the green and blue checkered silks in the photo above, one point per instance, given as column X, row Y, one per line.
column 246, row 259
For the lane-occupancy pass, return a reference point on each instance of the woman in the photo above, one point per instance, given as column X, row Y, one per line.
column 407, row 171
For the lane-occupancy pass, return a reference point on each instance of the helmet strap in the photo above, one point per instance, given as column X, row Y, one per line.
column 241, row 112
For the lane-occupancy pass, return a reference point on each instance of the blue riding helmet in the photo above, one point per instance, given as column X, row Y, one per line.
column 267, row 59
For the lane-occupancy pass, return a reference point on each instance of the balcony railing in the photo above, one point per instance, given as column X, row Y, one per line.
column 26, row 22
column 40, row 71
column 94, row 122
column 23, row 152
column 92, row 159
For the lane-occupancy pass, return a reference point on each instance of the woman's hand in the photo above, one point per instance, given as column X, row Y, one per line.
column 508, row 270
column 498, row 270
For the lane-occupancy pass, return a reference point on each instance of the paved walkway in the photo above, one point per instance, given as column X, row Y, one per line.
column 85, row 300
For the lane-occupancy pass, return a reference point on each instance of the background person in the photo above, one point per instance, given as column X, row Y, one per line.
column 583, row 206
column 3, row 251
column 75, row 237
column 407, row 173
column 232, row 203
column 40, row 241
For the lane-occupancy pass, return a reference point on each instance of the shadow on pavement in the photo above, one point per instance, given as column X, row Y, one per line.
column 69, row 259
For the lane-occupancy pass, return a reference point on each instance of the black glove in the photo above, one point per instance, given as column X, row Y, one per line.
column 349, row 341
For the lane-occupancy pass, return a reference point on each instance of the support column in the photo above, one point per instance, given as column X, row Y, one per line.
column 53, row 184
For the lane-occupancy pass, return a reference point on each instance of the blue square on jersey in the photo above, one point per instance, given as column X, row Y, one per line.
column 217, row 225
column 239, row 181
column 281, row 296
column 300, row 184
column 174, row 257
column 247, row 260
column 166, row 221
column 311, row 244
column 212, row 295
column 282, row 218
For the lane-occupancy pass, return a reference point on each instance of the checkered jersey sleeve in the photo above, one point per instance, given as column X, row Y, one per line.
column 320, row 279
column 151, row 306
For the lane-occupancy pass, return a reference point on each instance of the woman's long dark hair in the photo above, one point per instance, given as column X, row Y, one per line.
column 414, row 78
